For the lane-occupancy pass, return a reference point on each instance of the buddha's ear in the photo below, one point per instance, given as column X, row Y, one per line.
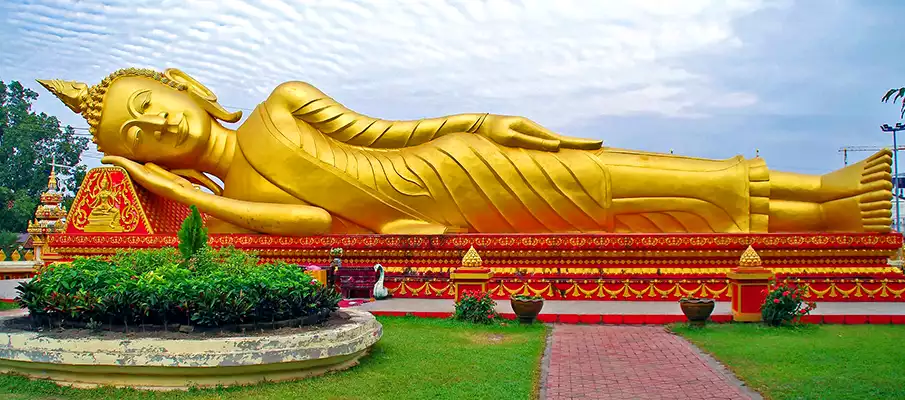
column 203, row 95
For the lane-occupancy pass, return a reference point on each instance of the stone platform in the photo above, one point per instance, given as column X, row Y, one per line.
column 179, row 364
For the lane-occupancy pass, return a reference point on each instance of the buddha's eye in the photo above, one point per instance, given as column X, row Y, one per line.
column 139, row 102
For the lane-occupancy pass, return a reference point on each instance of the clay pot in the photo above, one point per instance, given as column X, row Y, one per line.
column 697, row 310
column 526, row 310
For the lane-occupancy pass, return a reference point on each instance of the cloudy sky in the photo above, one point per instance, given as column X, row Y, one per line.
column 796, row 80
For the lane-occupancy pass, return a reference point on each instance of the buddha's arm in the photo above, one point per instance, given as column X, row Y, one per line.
column 309, row 104
column 271, row 218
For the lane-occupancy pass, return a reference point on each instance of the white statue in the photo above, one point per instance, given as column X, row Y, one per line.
column 380, row 292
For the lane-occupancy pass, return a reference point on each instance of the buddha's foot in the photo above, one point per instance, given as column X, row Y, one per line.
column 865, row 189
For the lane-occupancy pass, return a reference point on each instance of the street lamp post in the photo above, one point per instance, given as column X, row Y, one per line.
column 895, row 160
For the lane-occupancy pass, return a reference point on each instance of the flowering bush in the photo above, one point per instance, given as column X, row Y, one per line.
column 476, row 307
column 785, row 304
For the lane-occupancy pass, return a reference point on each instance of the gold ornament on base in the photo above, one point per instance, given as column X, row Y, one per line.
column 472, row 275
column 472, row 259
column 750, row 259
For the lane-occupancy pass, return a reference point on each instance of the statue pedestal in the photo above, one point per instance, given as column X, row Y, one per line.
column 469, row 278
column 749, row 288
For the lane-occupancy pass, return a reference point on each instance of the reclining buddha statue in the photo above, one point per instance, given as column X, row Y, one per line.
column 303, row 164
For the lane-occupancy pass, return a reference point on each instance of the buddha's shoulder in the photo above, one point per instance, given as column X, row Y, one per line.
column 294, row 90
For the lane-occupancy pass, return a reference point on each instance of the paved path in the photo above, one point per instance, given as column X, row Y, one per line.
column 13, row 313
column 8, row 288
column 633, row 362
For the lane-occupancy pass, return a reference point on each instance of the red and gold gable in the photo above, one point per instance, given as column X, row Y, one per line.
column 109, row 202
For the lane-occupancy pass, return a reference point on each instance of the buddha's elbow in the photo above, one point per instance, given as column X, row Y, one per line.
column 311, row 221
column 293, row 221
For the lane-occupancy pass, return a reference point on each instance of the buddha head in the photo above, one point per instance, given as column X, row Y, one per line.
column 145, row 115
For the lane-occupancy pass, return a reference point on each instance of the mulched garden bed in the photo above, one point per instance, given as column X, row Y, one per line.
column 71, row 330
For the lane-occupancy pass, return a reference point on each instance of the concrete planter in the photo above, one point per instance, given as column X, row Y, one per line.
column 174, row 364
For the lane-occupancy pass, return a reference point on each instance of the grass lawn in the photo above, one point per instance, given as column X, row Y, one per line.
column 810, row 361
column 415, row 359
column 8, row 306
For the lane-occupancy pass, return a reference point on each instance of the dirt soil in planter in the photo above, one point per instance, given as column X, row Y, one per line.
column 24, row 324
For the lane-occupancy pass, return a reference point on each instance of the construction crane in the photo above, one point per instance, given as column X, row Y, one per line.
column 845, row 150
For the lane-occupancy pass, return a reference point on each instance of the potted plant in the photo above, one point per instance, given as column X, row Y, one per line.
column 526, row 307
column 697, row 310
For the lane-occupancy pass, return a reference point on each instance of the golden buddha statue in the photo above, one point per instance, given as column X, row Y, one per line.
column 303, row 164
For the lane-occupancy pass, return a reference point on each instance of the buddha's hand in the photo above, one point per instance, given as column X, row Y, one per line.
column 151, row 176
column 522, row 132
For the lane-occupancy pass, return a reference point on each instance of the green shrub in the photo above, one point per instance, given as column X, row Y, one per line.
column 476, row 307
column 195, row 285
column 144, row 260
column 115, row 292
column 784, row 304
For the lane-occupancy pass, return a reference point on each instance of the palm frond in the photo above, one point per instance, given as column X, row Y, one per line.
column 894, row 95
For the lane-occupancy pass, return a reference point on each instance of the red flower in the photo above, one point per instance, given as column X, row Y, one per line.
column 786, row 293
column 804, row 311
column 776, row 301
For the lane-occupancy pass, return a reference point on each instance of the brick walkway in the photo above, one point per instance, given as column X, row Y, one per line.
column 632, row 362
column 12, row 313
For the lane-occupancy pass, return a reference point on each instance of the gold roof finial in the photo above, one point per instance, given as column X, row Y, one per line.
column 750, row 259
column 472, row 259
column 52, row 180
column 73, row 94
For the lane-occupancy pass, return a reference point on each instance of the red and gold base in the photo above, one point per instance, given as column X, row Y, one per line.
column 833, row 267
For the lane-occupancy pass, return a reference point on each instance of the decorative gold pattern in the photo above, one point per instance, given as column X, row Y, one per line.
column 107, row 204
column 633, row 289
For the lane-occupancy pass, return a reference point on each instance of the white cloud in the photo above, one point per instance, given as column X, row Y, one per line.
column 556, row 62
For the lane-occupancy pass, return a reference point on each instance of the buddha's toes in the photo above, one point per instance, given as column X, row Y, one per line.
column 858, row 197
column 876, row 192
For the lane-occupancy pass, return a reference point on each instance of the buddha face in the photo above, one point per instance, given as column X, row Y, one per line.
column 147, row 121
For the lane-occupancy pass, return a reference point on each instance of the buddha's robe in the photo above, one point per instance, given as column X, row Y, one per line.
column 464, row 182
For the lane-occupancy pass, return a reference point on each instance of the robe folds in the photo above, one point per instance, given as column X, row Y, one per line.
column 464, row 182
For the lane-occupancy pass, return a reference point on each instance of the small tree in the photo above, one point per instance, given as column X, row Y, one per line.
column 192, row 235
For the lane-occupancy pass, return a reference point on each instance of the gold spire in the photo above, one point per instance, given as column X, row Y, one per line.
column 750, row 259
column 52, row 180
column 472, row 259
